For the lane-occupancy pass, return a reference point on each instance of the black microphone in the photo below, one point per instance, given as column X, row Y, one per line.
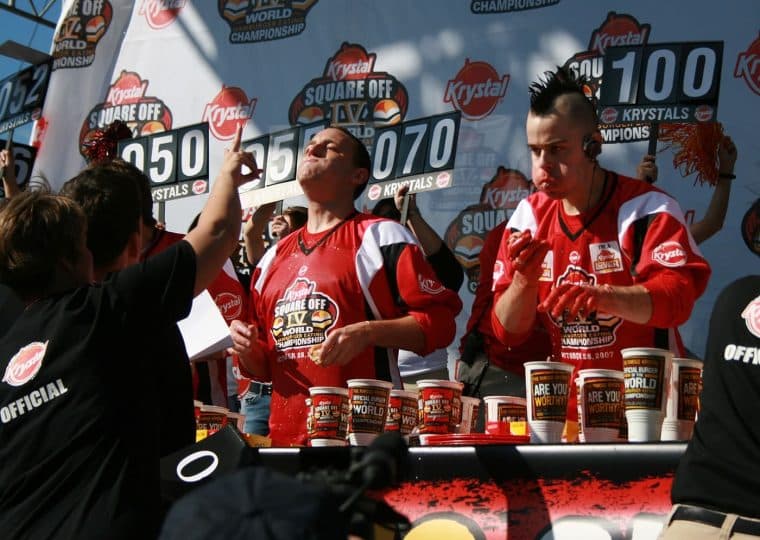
column 381, row 462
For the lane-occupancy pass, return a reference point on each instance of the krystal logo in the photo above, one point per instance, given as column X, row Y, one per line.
column 751, row 316
column 229, row 109
column 669, row 254
column 231, row 305
column 161, row 13
column 748, row 66
column 25, row 364
column 476, row 90
column 618, row 30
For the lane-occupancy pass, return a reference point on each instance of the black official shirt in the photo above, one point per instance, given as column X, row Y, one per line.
column 721, row 466
column 79, row 446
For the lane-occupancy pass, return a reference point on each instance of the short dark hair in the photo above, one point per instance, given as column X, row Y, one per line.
column 361, row 158
column 142, row 182
column 298, row 215
column 544, row 92
column 111, row 201
column 38, row 230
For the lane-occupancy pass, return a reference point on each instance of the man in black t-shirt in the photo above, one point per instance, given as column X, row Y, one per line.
column 115, row 196
column 78, row 441
column 717, row 485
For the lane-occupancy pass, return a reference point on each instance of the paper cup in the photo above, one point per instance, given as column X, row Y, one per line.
column 548, row 388
column 440, row 405
column 368, row 409
column 683, row 399
column 329, row 415
column 210, row 420
column 309, row 419
column 402, row 412
column 506, row 415
column 646, row 375
column 470, row 409
column 600, row 404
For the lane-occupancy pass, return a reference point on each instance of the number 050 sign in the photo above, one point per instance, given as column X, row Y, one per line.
column 666, row 82
column 175, row 161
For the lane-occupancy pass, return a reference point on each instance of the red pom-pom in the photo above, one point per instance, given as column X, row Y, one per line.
column 101, row 145
column 695, row 148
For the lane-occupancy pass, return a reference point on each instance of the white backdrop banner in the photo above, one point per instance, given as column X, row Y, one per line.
column 271, row 65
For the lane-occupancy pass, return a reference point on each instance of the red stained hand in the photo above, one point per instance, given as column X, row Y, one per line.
column 571, row 300
column 526, row 255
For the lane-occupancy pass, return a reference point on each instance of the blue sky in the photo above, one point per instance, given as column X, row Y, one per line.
column 26, row 32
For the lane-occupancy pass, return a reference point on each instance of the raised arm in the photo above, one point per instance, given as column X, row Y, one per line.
column 218, row 227
column 253, row 232
column 715, row 215
column 8, row 168
column 446, row 267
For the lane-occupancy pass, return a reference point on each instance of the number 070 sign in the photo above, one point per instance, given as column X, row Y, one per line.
column 666, row 82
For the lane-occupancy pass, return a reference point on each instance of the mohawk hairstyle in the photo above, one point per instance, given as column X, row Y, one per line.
column 544, row 92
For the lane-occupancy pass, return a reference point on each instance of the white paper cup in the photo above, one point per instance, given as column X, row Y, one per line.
column 328, row 415
column 368, row 409
column 647, row 378
column 440, row 405
column 470, row 408
column 548, row 387
column 683, row 400
column 506, row 415
column 676, row 430
column 600, row 404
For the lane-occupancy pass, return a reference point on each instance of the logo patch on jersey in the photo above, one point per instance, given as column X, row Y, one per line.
column 25, row 364
column 574, row 257
column 670, row 254
column 605, row 257
column 577, row 276
column 429, row 285
column 231, row 305
column 588, row 330
column 547, row 267
column 751, row 316
column 302, row 317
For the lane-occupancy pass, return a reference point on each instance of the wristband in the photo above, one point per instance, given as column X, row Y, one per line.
column 727, row 176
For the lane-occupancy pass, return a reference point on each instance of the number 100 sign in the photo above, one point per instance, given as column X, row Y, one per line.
column 666, row 82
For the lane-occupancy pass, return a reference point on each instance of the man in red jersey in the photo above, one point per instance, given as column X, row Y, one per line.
column 335, row 300
column 604, row 261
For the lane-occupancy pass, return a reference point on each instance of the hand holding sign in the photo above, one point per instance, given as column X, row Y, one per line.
column 17, row 165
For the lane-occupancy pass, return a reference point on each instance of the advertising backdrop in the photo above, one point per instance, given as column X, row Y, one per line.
column 270, row 65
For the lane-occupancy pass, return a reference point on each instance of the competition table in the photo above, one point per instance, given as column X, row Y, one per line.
column 616, row 491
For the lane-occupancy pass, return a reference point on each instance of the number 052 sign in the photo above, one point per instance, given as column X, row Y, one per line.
column 22, row 96
column 666, row 82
